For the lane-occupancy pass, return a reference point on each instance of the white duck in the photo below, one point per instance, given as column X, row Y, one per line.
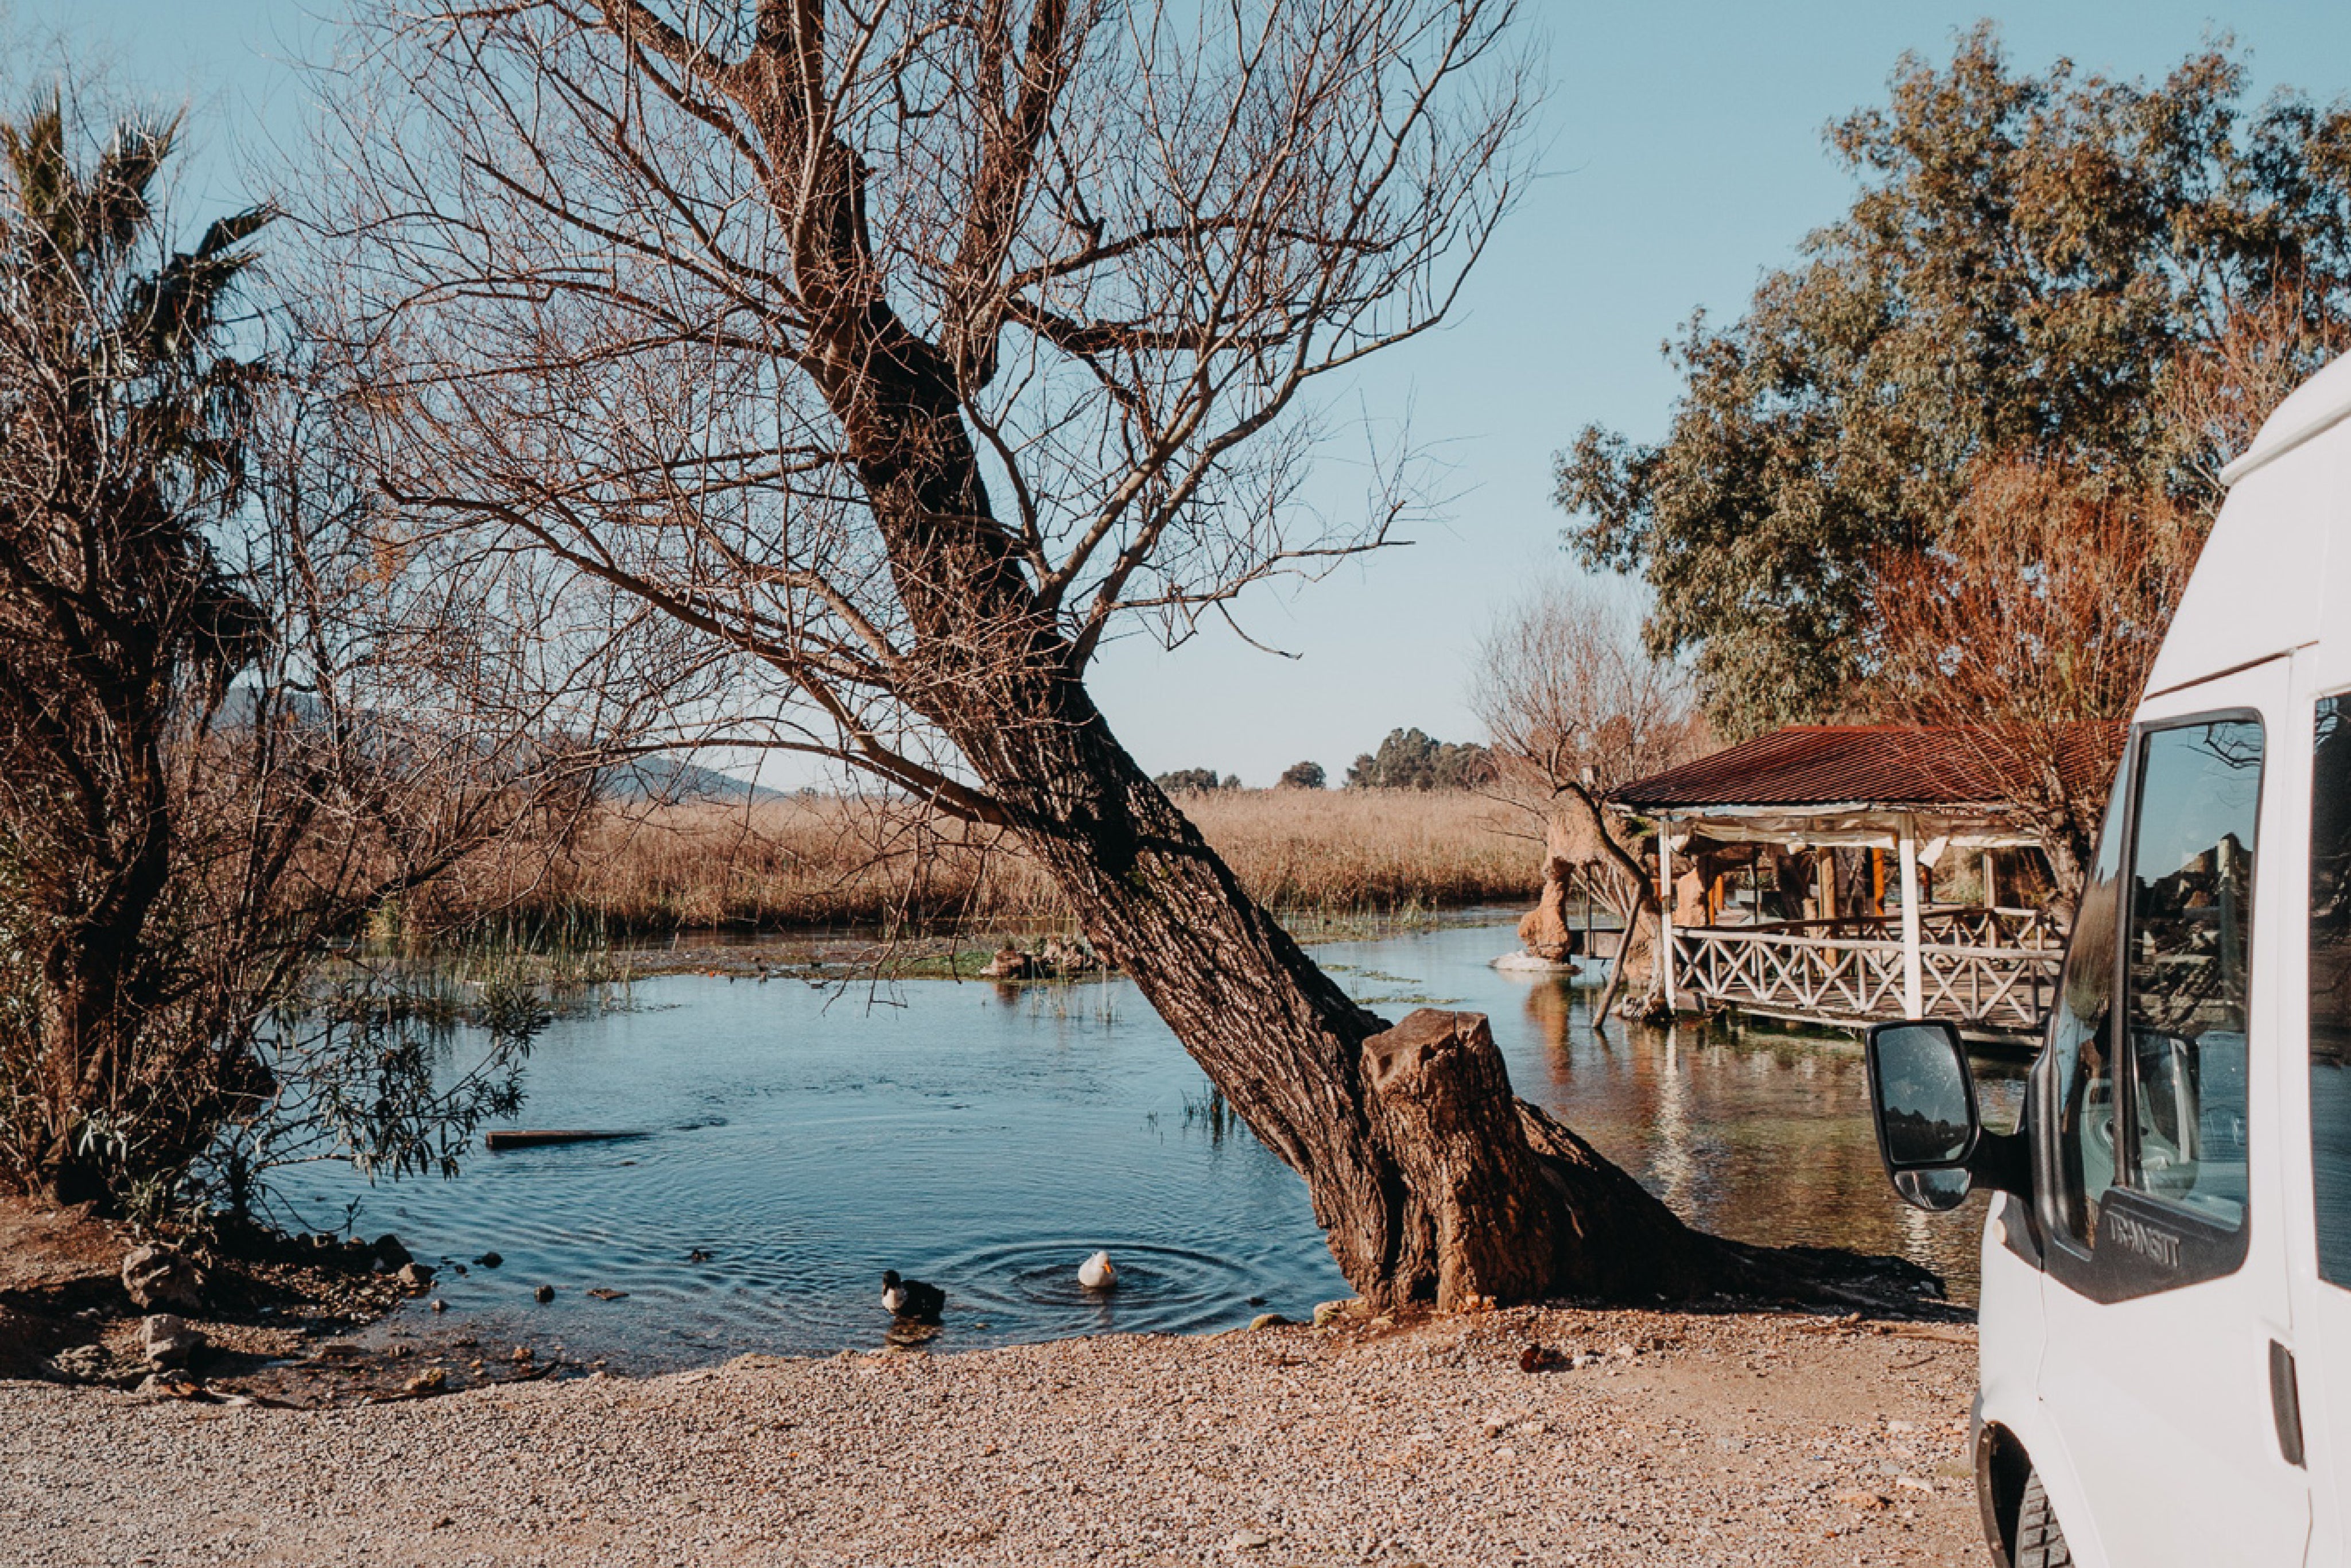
column 1098, row 1273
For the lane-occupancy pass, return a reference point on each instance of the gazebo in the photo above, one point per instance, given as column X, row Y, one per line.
column 1899, row 801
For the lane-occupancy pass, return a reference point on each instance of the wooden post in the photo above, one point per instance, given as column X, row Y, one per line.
column 1991, row 882
column 1914, row 989
column 1666, row 905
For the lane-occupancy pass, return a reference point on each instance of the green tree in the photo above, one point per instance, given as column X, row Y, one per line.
column 1303, row 775
column 2033, row 266
column 1408, row 760
column 1194, row 781
column 232, row 725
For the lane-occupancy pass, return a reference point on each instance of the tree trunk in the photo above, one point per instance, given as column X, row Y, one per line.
column 1637, row 948
column 100, row 885
column 1412, row 1148
column 1408, row 1138
column 1637, row 911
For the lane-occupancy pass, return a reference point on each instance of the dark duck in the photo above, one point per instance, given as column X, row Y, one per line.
column 912, row 1298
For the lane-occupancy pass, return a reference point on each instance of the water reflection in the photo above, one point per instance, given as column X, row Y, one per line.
column 1760, row 1133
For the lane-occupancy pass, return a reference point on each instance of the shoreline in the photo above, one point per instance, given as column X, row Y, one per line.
column 276, row 1314
column 1680, row 1438
column 833, row 955
column 1714, row 1435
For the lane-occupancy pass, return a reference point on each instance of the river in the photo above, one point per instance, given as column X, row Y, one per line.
column 803, row 1138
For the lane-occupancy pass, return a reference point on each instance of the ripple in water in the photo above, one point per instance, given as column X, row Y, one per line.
column 1160, row 1289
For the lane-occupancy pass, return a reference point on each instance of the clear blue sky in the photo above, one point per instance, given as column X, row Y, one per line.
column 1685, row 158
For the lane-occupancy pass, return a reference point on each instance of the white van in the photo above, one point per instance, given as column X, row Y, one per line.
column 2166, row 1313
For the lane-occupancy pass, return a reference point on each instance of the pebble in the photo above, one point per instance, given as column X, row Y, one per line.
column 167, row 1340
column 1425, row 1444
column 155, row 1276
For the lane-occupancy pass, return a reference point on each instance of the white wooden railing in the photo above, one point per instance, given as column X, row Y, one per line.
column 1787, row 972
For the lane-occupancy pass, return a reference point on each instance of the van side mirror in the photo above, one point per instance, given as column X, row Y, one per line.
column 1922, row 1097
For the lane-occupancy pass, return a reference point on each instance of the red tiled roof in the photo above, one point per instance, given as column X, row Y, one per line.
column 1879, row 764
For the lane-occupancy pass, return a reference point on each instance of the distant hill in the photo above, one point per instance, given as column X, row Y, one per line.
column 674, row 779
column 655, row 778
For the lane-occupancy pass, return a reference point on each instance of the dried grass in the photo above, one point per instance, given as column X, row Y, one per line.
column 822, row 861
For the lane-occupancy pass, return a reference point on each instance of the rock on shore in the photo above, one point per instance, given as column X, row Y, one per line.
column 1644, row 1438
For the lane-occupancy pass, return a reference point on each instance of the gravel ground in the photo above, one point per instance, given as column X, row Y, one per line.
column 1679, row 1439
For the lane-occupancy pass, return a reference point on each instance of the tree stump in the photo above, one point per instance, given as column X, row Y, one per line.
column 1443, row 1102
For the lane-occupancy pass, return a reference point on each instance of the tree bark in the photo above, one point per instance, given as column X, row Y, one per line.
column 1418, row 1161
column 1426, row 1185
column 1638, row 915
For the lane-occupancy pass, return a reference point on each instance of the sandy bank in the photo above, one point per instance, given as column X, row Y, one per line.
column 1694, row 1439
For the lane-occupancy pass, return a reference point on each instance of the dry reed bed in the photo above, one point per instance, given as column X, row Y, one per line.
column 822, row 861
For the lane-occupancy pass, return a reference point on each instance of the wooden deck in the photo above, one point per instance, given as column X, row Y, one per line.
column 1996, row 990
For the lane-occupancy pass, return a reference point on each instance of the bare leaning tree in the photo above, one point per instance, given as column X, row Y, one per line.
column 898, row 356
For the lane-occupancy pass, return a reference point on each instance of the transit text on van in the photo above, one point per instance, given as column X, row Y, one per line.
column 2157, row 1247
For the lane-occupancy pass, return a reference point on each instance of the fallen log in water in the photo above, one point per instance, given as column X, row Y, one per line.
column 518, row 1139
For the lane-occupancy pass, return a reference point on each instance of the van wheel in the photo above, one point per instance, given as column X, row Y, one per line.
column 2039, row 1543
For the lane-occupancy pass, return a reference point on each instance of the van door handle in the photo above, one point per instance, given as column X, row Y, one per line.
column 2285, row 1403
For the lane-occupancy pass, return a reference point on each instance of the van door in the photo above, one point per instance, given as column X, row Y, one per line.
column 2314, row 1094
column 2156, row 1126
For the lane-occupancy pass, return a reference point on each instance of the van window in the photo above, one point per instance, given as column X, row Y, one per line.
column 2330, row 988
column 2081, row 1059
column 2190, row 922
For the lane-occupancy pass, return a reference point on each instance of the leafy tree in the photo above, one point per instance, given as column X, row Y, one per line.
column 1303, row 775
column 1408, row 760
column 126, row 408
column 2039, row 609
column 2034, row 265
column 1194, row 781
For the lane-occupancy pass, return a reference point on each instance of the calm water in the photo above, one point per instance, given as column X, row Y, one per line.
column 988, row 1140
